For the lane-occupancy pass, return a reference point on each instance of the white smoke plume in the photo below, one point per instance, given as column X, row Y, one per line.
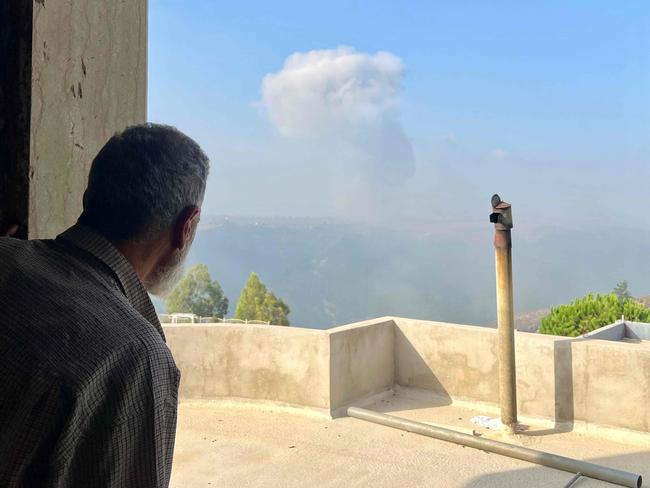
column 345, row 95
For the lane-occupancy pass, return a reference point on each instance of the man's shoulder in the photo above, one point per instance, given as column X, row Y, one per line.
column 14, row 249
column 39, row 263
column 64, row 314
column 74, row 345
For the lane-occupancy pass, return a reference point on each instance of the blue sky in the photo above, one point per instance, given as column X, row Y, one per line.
column 546, row 102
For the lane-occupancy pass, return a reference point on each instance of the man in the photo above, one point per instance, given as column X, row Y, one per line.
column 88, row 387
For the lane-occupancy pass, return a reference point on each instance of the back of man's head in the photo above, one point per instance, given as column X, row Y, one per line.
column 141, row 181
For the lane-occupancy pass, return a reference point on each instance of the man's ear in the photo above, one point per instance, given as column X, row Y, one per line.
column 182, row 232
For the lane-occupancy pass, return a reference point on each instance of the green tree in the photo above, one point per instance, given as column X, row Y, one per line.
column 251, row 299
column 591, row 312
column 621, row 291
column 256, row 302
column 275, row 310
column 197, row 293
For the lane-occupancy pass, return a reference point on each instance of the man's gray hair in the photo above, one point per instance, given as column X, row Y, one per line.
column 141, row 180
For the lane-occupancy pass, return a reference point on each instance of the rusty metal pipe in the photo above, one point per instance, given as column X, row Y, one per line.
column 506, row 328
column 502, row 218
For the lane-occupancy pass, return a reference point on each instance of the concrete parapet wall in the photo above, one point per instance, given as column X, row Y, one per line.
column 613, row 332
column 637, row 330
column 583, row 380
column 282, row 364
column 361, row 361
column 542, row 364
column 611, row 383
column 458, row 361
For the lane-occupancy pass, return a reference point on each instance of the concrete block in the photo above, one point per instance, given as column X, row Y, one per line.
column 81, row 76
column 361, row 361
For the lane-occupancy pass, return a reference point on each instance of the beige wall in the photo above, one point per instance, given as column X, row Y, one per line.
column 89, row 80
column 282, row 364
column 457, row 361
column 361, row 361
column 537, row 357
column 611, row 383
column 594, row 381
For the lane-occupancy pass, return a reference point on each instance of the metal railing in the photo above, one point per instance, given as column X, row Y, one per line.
column 190, row 318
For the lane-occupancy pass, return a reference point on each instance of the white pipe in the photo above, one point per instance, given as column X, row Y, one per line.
column 591, row 470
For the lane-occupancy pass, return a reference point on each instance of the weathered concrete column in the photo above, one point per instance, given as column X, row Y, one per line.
column 502, row 218
column 77, row 74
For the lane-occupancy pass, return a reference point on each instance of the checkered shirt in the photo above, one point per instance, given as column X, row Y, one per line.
column 88, row 387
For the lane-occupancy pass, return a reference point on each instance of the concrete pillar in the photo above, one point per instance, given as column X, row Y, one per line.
column 77, row 73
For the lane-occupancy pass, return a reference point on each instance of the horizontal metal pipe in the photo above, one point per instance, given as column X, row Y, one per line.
column 591, row 470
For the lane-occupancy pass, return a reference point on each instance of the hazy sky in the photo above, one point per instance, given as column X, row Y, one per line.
column 412, row 110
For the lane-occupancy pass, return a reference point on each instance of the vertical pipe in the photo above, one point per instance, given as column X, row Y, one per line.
column 505, row 320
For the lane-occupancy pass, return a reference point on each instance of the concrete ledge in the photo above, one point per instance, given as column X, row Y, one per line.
column 613, row 332
column 637, row 330
column 611, row 384
column 564, row 380
column 281, row 364
column 452, row 360
column 361, row 361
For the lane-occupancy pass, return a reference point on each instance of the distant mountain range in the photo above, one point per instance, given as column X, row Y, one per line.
column 644, row 300
column 335, row 272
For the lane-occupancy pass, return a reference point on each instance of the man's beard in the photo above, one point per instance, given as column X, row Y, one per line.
column 164, row 278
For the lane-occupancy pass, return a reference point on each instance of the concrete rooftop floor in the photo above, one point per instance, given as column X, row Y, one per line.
column 247, row 445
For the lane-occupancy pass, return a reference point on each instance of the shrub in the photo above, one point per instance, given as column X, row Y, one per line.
column 591, row 312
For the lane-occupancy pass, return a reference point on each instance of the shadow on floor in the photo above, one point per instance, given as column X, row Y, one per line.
column 410, row 399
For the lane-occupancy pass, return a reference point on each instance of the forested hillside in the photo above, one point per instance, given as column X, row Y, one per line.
column 333, row 273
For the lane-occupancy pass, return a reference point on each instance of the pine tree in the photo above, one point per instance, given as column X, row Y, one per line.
column 275, row 310
column 251, row 299
column 591, row 312
column 621, row 291
column 256, row 302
